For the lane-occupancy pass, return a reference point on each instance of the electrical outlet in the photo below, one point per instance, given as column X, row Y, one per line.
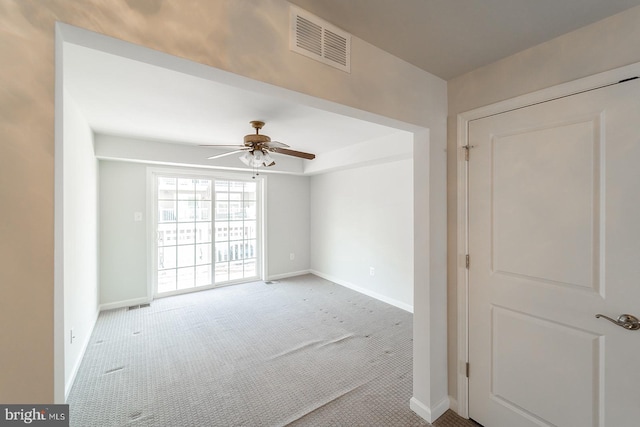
column 137, row 216
column 292, row 256
column 372, row 271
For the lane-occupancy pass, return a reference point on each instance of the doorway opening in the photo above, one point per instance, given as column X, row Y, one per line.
column 427, row 143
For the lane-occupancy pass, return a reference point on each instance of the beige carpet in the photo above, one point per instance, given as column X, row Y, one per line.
column 300, row 352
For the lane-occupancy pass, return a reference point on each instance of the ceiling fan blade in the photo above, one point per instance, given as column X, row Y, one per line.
column 275, row 144
column 294, row 153
column 227, row 154
column 220, row 145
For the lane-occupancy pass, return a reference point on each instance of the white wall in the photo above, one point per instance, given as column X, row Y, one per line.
column 80, row 237
column 123, row 242
column 362, row 218
column 287, row 225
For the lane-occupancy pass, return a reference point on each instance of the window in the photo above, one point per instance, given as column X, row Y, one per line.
column 197, row 247
column 238, row 212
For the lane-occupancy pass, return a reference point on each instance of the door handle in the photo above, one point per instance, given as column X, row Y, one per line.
column 626, row 321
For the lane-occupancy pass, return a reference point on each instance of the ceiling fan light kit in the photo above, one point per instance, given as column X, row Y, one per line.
column 256, row 149
column 267, row 160
column 257, row 158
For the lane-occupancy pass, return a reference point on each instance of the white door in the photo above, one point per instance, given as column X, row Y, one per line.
column 554, row 239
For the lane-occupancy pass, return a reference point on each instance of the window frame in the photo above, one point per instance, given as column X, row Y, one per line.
column 152, row 207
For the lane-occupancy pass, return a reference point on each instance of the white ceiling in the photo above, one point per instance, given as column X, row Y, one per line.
column 451, row 37
column 445, row 37
column 119, row 96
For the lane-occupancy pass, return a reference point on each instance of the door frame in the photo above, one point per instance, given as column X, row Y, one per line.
column 462, row 218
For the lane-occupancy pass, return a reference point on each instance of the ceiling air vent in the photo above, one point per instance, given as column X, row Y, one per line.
column 317, row 39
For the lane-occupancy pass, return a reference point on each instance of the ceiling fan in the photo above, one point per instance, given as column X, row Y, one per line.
column 256, row 149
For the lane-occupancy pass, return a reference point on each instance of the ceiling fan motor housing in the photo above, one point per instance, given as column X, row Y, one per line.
column 252, row 139
column 256, row 139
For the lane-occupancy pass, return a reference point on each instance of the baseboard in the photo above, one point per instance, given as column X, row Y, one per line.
column 145, row 300
column 125, row 303
column 365, row 291
column 430, row 415
column 286, row 275
column 69, row 384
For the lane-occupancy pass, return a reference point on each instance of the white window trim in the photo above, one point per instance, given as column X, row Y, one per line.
column 152, row 261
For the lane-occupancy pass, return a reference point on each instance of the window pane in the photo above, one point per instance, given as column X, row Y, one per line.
column 222, row 272
column 250, row 268
column 186, row 233
column 186, row 256
column 166, row 281
column 249, row 191
column 203, row 254
column 166, row 211
column 252, row 249
column 203, row 275
column 236, row 230
column 203, row 189
column 186, row 211
column 235, row 210
column 235, row 196
column 186, row 278
column 166, row 188
column 236, row 186
column 250, row 210
column 235, row 252
column 250, row 230
column 222, row 231
column 222, row 186
column 222, row 252
column 203, row 211
column 236, row 270
column 203, row 232
column 222, row 210
column 186, row 189
column 166, row 257
column 166, row 234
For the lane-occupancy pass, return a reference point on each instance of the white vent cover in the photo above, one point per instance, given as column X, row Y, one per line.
column 317, row 39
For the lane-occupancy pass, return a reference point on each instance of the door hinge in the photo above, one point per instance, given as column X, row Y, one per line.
column 467, row 370
column 467, row 148
column 467, row 261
